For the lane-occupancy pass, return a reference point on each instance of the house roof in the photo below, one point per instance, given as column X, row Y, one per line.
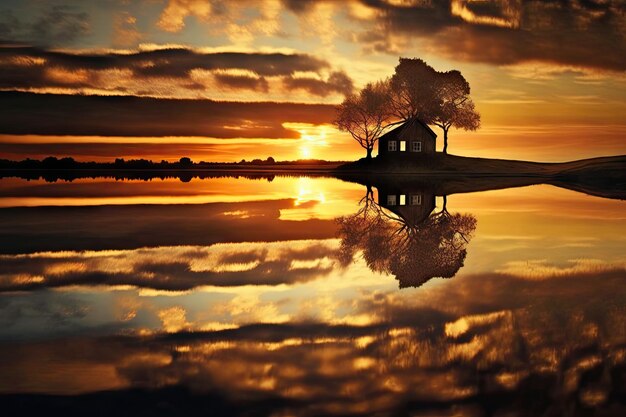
column 396, row 131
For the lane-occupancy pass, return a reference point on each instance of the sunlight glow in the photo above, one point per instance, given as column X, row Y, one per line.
column 306, row 192
column 305, row 151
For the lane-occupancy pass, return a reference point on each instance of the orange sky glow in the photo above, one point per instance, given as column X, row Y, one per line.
column 242, row 80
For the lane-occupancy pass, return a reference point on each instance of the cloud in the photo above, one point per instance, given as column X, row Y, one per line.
column 176, row 72
column 589, row 34
column 46, row 114
column 172, row 18
column 125, row 32
column 243, row 82
column 336, row 82
column 54, row 25
column 172, row 62
column 240, row 21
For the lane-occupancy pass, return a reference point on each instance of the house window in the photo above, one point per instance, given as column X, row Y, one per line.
column 391, row 200
column 402, row 145
column 391, row 145
column 416, row 200
column 416, row 146
column 402, row 199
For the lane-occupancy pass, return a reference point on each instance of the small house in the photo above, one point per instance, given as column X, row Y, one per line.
column 412, row 205
column 411, row 140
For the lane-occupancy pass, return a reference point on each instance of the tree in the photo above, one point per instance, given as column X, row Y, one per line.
column 454, row 105
column 365, row 115
column 413, row 90
column 413, row 252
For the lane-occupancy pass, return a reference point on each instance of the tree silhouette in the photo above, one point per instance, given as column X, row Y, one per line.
column 365, row 115
column 454, row 107
column 412, row 252
column 413, row 90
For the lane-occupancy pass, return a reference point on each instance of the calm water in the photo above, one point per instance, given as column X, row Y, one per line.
column 309, row 296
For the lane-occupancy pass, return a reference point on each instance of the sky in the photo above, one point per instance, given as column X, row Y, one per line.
column 231, row 80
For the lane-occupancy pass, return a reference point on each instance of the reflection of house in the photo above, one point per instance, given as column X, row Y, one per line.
column 413, row 205
column 411, row 139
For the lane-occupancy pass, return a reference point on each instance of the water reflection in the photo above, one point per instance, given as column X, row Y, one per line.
column 267, row 305
column 522, row 347
column 403, row 235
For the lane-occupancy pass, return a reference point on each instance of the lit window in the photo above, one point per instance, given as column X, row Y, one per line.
column 402, row 145
column 391, row 146
column 416, row 146
column 391, row 200
column 402, row 199
column 416, row 200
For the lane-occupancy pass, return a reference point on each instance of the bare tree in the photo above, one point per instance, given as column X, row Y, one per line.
column 365, row 115
column 454, row 107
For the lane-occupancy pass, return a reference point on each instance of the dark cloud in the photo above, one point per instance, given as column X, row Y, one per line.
column 54, row 25
column 109, row 151
column 179, row 62
column 337, row 82
column 29, row 67
column 60, row 24
column 569, row 32
column 243, row 82
column 48, row 114
column 9, row 25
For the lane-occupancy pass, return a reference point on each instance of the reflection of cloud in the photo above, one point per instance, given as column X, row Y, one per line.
column 153, row 225
column 173, row 268
column 173, row 319
column 514, row 340
column 542, row 269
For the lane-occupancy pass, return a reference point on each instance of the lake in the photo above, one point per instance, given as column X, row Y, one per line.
column 287, row 295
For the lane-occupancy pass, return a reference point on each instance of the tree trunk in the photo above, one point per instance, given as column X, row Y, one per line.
column 445, row 141
column 369, row 153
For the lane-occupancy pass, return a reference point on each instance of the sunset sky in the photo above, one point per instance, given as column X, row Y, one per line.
column 228, row 80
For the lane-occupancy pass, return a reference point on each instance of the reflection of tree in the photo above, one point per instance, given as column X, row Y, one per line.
column 413, row 252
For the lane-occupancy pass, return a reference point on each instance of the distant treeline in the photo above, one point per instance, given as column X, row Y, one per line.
column 67, row 169
column 120, row 163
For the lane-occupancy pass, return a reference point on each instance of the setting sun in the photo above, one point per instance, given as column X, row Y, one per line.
column 305, row 152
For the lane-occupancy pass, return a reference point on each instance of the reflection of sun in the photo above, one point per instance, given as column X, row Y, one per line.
column 306, row 192
column 305, row 151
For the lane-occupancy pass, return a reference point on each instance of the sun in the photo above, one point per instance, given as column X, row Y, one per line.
column 305, row 151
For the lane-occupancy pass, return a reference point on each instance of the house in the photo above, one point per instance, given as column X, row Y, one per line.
column 412, row 205
column 412, row 139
